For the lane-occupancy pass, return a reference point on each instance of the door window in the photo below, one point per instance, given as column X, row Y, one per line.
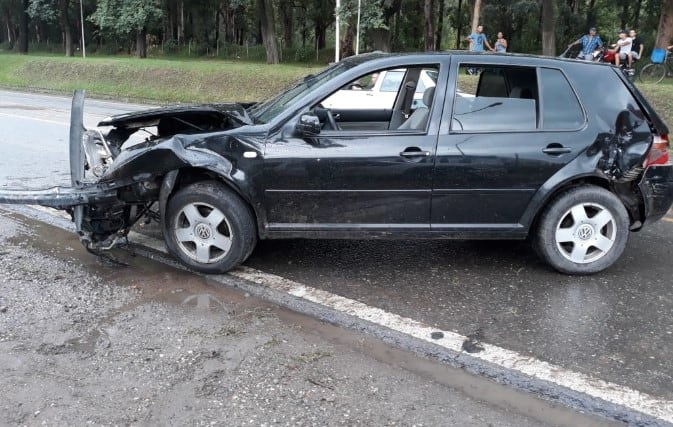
column 495, row 98
column 397, row 99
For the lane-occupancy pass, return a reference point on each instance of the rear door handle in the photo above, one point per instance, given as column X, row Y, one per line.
column 415, row 153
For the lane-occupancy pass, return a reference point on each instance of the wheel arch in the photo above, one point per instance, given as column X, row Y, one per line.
column 567, row 185
column 180, row 178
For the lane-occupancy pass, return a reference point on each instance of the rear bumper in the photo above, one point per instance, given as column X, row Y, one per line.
column 656, row 188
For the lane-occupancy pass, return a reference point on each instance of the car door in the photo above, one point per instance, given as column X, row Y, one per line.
column 351, row 180
column 507, row 135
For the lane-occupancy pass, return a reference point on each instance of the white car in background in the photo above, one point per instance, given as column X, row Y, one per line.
column 381, row 94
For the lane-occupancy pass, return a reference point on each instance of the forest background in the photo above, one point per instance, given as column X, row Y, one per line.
column 303, row 31
column 218, row 50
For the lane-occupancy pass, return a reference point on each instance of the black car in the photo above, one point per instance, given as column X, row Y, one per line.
column 567, row 153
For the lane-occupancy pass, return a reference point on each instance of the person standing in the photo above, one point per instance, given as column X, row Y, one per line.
column 636, row 48
column 589, row 42
column 478, row 39
column 501, row 43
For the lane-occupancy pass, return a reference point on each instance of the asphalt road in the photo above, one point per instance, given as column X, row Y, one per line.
column 616, row 326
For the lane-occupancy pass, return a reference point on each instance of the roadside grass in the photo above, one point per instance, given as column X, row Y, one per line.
column 661, row 97
column 159, row 80
column 188, row 80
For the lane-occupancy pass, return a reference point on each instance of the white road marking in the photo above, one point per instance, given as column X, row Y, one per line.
column 610, row 392
column 451, row 341
column 17, row 116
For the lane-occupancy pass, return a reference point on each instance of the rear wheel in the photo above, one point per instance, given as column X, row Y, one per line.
column 652, row 73
column 583, row 231
column 209, row 227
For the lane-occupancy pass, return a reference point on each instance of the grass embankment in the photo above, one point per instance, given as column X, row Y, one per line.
column 149, row 79
column 164, row 80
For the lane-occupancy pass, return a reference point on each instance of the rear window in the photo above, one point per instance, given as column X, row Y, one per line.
column 561, row 109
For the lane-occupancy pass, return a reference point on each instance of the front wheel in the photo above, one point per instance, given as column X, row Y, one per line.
column 209, row 227
column 652, row 73
column 583, row 231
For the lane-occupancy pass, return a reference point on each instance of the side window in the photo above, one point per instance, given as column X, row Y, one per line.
column 495, row 98
column 393, row 99
column 561, row 109
column 392, row 80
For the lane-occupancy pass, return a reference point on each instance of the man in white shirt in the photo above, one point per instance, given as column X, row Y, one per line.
column 624, row 47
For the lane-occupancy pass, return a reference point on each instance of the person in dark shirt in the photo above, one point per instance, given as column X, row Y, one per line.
column 636, row 47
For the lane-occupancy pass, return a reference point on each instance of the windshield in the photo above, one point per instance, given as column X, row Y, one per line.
column 265, row 111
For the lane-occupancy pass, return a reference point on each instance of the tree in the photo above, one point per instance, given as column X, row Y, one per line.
column 476, row 15
column 125, row 18
column 548, row 28
column 665, row 30
column 51, row 11
column 23, row 26
column 268, row 28
column 429, row 27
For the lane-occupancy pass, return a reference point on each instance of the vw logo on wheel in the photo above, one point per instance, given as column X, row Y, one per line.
column 203, row 231
column 585, row 232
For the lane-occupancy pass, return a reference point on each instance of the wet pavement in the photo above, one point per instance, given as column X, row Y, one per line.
column 617, row 326
column 135, row 342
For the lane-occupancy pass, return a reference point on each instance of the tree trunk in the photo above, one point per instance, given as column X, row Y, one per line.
column 380, row 39
column 65, row 27
column 459, row 26
column 141, row 43
column 636, row 13
column 476, row 15
column 548, row 28
column 429, row 30
column 624, row 15
column 440, row 26
column 665, row 30
column 320, row 35
column 265, row 8
column 287, row 15
column 181, row 22
column 23, row 27
column 348, row 42
column 591, row 14
column 11, row 34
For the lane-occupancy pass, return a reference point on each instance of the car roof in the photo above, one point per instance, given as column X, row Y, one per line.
column 428, row 56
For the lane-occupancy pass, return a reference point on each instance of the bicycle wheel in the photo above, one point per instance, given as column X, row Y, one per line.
column 652, row 73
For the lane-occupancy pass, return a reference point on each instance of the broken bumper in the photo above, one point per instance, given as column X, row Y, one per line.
column 58, row 197
column 657, row 190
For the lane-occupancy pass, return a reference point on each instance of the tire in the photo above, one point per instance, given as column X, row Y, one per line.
column 652, row 73
column 209, row 228
column 582, row 231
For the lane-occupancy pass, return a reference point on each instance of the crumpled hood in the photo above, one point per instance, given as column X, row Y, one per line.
column 152, row 116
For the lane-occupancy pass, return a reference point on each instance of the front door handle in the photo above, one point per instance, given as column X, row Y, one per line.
column 556, row 149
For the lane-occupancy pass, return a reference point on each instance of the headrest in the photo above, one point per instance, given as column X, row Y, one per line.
column 428, row 95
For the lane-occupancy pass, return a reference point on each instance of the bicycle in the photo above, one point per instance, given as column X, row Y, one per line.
column 656, row 71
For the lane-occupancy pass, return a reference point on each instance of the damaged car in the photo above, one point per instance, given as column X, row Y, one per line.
column 566, row 153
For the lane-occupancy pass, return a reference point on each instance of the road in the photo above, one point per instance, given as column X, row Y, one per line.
column 615, row 327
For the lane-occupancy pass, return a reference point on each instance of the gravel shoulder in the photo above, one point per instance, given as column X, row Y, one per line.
column 90, row 341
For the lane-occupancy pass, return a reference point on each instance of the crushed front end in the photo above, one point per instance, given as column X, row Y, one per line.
column 117, row 170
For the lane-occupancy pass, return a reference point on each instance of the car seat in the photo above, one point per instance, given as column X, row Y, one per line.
column 419, row 118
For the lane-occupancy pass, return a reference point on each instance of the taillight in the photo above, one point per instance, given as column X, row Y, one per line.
column 658, row 154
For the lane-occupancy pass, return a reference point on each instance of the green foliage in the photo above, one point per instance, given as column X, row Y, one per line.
column 44, row 10
column 228, row 28
column 122, row 17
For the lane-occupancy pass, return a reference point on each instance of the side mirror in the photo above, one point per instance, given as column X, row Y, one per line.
column 309, row 125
